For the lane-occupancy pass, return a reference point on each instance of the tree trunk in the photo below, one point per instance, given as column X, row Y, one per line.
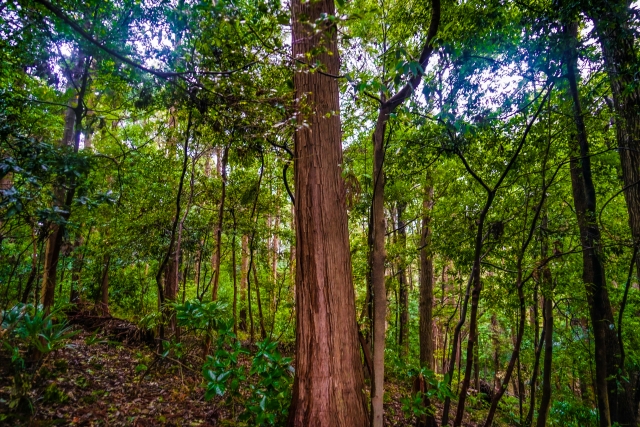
column 539, row 338
column 62, row 198
column 403, row 340
column 426, row 283
column 475, row 300
column 234, row 275
column 104, row 286
column 613, row 24
column 378, row 232
column 263, row 331
column 378, row 288
column 35, row 268
column 495, row 339
column 215, row 261
column 169, row 257
column 244, row 267
column 612, row 21
column 545, row 400
column 328, row 386
column 426, row 297
column 78, row 262
column 614, row 403
column 276, row 243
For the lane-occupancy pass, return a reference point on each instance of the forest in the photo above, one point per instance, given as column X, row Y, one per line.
column 349, row 213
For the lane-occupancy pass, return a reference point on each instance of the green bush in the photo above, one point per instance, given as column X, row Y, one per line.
column 264, row 392
column 29, row 336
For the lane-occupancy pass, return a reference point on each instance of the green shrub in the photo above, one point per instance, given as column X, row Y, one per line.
column 29, row 336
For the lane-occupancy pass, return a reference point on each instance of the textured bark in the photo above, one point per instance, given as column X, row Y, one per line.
column 292, row 253
column 6, row 182
column 328, row 386
column 403, row 337
column 427, row 346
column 613, row 24
column 171, row 279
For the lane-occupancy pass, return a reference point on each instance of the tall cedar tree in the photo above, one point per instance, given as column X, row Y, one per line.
column 326, row 334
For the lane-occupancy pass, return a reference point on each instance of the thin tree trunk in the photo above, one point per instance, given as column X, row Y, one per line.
column 426, row 283
column 244, row 266
column 538, row 344
column 251, row 247
column 378, row 288
column 495, row 339
column 35, row 268
column 104, row 286
column 198, row 266
column 263, row 331
column 234, row 274
column 218, row 234
column 403, row 340
column 475, row 300
column 476, row 270
column 476, row 364
column 378, row 253
column 176, row 219
column 276, row 242
column 455, row 350
column 515, row 355
column 545, row 400
column 74, row 294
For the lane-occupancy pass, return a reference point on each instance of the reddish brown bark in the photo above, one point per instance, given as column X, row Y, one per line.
column 328, row 386
column 426, row 297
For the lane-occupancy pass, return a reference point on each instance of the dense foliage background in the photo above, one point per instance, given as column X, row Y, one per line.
column 154, row 142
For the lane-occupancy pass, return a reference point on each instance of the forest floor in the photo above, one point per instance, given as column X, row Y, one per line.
column 97, row 381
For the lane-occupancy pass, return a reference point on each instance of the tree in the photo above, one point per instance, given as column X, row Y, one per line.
column 326, row 333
